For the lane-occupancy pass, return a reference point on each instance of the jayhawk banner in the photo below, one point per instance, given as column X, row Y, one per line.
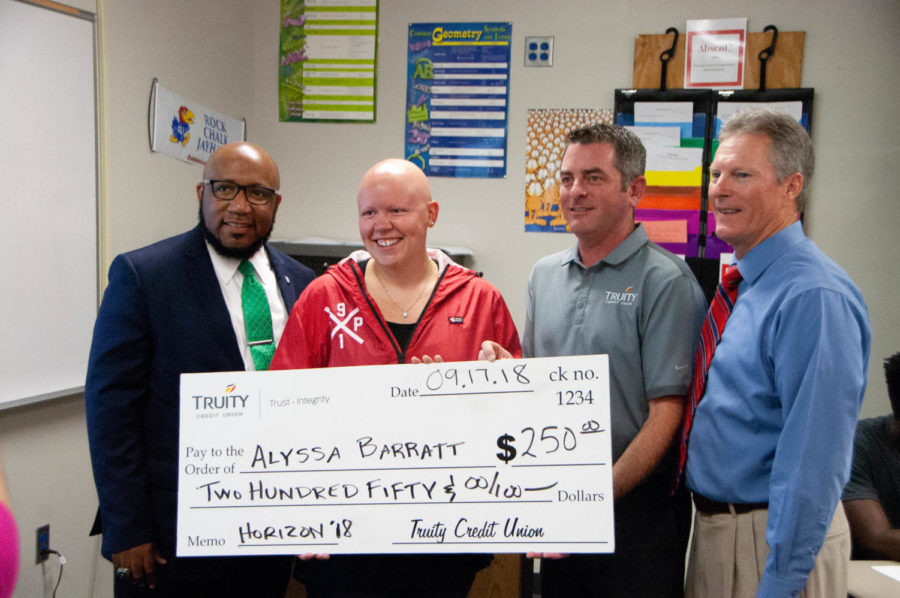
column 186, row 130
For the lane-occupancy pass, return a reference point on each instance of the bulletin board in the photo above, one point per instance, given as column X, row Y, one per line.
column 783, row 69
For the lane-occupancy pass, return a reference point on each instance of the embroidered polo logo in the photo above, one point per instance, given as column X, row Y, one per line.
column 626, row 297
column 343, row 325
column 455, row 319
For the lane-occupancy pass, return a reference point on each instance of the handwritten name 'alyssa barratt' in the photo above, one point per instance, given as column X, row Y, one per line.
column 485, row 530
column 368, row 448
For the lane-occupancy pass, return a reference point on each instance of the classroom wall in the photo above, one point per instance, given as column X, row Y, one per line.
column 223, row 53
column 848, row 59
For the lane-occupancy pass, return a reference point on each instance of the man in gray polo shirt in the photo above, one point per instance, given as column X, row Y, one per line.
column 617, row 293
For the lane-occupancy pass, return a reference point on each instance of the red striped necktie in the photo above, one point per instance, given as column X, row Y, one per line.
column 710, row 335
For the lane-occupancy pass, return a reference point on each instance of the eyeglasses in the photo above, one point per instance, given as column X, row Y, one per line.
column 228, row 190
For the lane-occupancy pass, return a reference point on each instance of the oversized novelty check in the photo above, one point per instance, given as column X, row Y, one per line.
column 510, row 456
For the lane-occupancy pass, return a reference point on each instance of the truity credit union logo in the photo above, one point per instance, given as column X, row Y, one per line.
column 626, row 297
column 230, row 403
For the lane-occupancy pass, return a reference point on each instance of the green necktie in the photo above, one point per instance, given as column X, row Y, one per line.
column 257, row 318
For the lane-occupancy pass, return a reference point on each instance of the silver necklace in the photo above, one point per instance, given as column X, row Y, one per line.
column 404, row 312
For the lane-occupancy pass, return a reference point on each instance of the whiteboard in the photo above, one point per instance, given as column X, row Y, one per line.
column 48, row 201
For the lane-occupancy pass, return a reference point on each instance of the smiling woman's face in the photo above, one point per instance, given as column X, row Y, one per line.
column 395, row 213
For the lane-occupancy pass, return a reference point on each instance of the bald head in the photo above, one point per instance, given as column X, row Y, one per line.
column 397, row 174
column 250, row 156
column 238, row 224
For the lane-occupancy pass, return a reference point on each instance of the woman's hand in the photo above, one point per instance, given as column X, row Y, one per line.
column 427, row 359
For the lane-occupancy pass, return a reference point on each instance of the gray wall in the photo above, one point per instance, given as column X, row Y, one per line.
column 222, row 53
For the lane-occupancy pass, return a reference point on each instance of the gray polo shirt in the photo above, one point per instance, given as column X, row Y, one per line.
column 641, row 305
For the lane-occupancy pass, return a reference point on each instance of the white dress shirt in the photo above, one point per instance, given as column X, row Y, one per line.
column 231, row 280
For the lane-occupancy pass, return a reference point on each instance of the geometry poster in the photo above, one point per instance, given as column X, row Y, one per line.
column 457, row 98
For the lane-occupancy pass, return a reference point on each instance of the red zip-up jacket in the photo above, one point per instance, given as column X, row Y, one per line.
column 335, row 322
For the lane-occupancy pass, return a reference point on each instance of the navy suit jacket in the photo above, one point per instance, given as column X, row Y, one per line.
column 163, row 314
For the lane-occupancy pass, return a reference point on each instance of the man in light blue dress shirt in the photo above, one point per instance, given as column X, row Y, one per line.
column 771, row 443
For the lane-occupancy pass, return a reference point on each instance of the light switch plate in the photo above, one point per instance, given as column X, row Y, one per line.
column 539, row 50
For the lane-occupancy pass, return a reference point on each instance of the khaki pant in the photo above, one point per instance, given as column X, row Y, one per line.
column 728, row 554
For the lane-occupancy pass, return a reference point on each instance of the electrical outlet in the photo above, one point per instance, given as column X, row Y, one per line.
column 539, row 50
column 42, row 544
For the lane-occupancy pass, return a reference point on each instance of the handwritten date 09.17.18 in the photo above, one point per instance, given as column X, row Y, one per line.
column 476, row 378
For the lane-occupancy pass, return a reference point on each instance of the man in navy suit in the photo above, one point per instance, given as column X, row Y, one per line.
column 175, row 307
